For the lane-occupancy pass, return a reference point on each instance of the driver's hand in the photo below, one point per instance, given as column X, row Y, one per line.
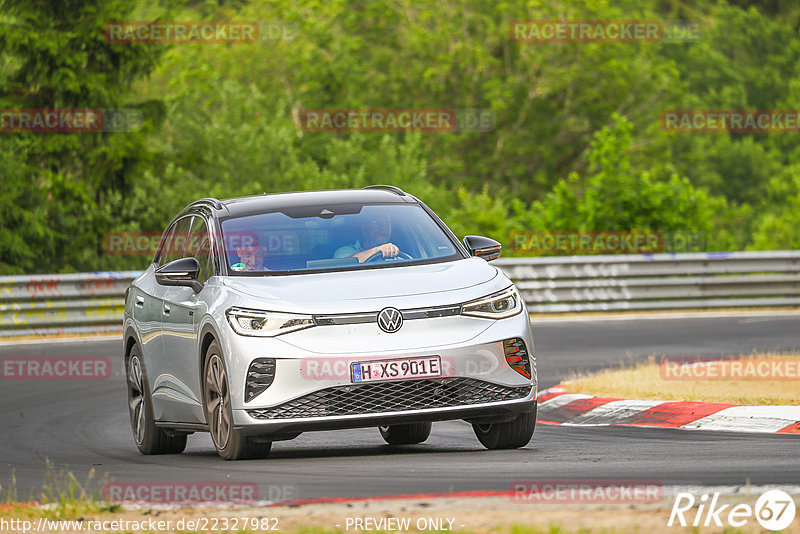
column 389, row 250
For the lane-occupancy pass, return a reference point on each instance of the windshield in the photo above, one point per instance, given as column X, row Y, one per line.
column 339, row 237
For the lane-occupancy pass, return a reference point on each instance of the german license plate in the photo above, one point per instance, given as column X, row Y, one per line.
column 398, row 369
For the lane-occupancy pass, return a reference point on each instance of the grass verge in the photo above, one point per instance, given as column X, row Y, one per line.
column 443, row 515
column 73, row 506
column 761, row 380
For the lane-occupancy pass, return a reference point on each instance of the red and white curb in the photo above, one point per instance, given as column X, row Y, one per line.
column 559, row 407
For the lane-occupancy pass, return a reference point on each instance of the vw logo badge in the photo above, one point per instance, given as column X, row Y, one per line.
column 390, row 320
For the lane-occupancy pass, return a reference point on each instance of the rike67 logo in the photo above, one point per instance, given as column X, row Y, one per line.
column 774, row 510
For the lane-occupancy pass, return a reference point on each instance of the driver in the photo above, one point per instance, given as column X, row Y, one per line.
column 375, row 234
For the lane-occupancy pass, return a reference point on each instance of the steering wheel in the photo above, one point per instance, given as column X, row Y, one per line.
column 379, row 255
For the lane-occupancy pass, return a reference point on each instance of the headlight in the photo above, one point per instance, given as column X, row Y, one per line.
column 266, row 324
column 497, row 306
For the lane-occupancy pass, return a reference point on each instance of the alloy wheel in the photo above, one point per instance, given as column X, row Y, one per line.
column 136, row 398
column 218, row 414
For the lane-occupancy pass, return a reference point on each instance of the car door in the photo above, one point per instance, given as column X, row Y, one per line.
column 145, row 305
column 164, row 384
column 179, row 318
column 147, row 309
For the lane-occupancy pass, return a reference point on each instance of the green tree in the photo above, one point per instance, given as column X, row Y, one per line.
column 615, row 197
column 778, row 228
column 69, row 184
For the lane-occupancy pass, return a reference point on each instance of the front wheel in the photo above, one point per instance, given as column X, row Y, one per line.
column 229, row 442
column 511, row 435
column 149, row 438
column 408, row 434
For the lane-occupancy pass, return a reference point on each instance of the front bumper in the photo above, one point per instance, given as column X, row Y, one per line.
column 313, row 389
column 498, row 412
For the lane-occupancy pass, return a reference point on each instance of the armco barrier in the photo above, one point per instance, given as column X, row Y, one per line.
column 657, row 281
column 62, row 303
column 93, row 302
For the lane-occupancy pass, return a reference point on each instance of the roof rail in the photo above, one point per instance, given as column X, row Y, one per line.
column 393, row 189
column 209, row 200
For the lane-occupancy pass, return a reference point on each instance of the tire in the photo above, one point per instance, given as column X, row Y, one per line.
column 149, row 438
column 229, row 442
column 407, row 434
column 511, row 435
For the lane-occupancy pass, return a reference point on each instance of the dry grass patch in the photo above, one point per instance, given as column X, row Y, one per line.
column 650, row 381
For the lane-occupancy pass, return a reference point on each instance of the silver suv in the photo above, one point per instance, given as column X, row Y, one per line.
column 263, row 317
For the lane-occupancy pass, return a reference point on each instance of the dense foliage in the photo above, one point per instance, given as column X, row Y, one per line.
column 577, row 142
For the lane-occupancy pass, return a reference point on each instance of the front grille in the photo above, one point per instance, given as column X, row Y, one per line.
column 358, row 399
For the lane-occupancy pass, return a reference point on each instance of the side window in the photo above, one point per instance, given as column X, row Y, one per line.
column 175, row 244
column 161, row 254
column 199, row 246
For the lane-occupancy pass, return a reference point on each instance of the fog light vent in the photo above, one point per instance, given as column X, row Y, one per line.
column 517, row 356
column 259, row 377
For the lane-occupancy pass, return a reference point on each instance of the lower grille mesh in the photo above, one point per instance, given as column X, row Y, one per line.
column 397, row 396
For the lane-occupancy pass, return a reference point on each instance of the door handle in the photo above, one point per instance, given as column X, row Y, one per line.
column 166, row 309
column 139, row 301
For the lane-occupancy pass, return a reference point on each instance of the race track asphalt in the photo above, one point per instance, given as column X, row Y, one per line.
column 83, row 425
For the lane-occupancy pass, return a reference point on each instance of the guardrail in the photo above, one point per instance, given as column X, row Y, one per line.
column 558, row 284
column 63, row 303
column 93, row 302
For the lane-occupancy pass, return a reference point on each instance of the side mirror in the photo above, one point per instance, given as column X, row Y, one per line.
column 182, row 272
column 483, row 247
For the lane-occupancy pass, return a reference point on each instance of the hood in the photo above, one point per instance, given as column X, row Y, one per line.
column 364, row 285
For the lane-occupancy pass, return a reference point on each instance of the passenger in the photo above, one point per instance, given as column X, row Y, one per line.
column 251, row 258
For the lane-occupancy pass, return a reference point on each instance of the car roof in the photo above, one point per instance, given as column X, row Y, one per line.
column 239, row 206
